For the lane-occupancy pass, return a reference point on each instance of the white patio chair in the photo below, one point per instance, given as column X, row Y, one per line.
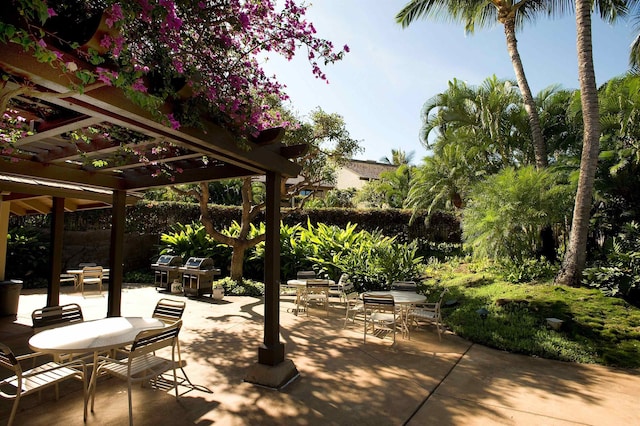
column 23, row 383
column 91, row 275
column 337, row 290
column 428, row 312
column 57, row 316
column 141, row 364
column 354, row 307
column 316, row 291
column 381, row 313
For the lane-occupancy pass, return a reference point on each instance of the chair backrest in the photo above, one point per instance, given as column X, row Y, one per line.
column 344, row 280
column 404, row 286
column 9, row 360
column 53, row 316
column 92, row 272
column 305, row 275
column 379, row 303
column 442, row 296
column 169, row 310
column 349, row 293
column 151, row 340
column 317, row 286
column 82, row 265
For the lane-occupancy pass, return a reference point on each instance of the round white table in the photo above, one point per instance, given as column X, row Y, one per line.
column 92, row 336
column 401, row 297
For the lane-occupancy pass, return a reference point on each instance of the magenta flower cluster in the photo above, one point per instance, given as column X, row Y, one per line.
column 216, row 45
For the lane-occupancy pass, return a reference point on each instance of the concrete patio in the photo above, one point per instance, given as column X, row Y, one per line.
column 342, row 381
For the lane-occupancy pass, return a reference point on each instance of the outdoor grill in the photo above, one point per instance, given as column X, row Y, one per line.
column 197, row 276
column 166, row 270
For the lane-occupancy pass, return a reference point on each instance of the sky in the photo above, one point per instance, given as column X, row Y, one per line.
column 390, row 72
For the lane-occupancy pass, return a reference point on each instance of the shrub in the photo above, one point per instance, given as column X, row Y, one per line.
column 620, row 274
column 527, row 270
column 27, row 257
column 508, row 211
column 245, row 288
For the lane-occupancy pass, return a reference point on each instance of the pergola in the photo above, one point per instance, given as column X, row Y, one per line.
column 56, row 172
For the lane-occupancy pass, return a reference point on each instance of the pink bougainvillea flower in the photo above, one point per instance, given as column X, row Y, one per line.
column 175, row 124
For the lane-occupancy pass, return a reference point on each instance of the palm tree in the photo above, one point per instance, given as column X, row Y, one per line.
column 575, row 257
column 634, row 54
column 398, row 157
column 443, row 181
column 487, row 121
column 511, row 14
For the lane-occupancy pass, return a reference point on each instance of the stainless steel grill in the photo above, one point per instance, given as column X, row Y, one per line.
column 166, row 270
column 197, row 276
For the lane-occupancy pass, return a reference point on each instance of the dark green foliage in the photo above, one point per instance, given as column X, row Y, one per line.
column 510, row 209
column 192, row 240
column 151, row 217
column 619, row 274
column 28, row 257
column 143, row 277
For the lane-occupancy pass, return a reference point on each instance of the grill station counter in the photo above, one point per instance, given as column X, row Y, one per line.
column 197, row 276
column 166, row 270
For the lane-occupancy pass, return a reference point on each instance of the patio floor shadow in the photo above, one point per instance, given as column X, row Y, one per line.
column 342, row 380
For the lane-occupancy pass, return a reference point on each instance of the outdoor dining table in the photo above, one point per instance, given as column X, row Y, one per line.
column 95, row 336
column 77, row 274
column 301, row 285
column 405, row 299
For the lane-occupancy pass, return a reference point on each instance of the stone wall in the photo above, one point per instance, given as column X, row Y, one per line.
column 140, row 250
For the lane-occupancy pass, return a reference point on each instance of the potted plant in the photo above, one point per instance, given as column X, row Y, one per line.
column 217, row 292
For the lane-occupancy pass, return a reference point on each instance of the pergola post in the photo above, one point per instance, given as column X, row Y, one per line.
column 116, row 253
column 272, row 370
column 55, row 251
column 4, row 229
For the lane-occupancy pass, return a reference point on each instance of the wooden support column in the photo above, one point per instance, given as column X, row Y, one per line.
column 55, row 252
column 4, row 229
column 272, row 370
column 116, row 253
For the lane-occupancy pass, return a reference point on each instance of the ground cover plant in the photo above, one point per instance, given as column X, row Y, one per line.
column 596, row 328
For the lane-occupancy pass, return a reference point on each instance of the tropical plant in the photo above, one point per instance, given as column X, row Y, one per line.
column 398, row 157
column 488, row 121
column 443, row 181
column 619, row 275
column 192, row 240
column 512, row 15
column 390, row 190
column 509, row 210
column 27, row 253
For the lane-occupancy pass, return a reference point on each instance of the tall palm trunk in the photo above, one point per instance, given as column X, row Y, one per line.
column 539, row 148
column 575, row 257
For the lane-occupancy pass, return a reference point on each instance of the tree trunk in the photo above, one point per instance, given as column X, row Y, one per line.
column 237, row 260
column 539, row 148
column 575, row 257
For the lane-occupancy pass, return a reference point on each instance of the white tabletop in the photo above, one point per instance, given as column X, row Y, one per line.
column 303, row 283
column 401, row 297
column 80, row 271
column 98, row 335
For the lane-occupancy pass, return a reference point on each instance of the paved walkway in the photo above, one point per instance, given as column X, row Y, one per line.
column 342, row 381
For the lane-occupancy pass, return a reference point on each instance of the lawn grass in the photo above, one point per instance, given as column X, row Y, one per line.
column 596, row 329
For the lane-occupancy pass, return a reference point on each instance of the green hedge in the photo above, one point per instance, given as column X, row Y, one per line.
column 156, row 218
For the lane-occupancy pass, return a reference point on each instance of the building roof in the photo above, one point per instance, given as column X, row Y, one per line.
column 369, row 169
